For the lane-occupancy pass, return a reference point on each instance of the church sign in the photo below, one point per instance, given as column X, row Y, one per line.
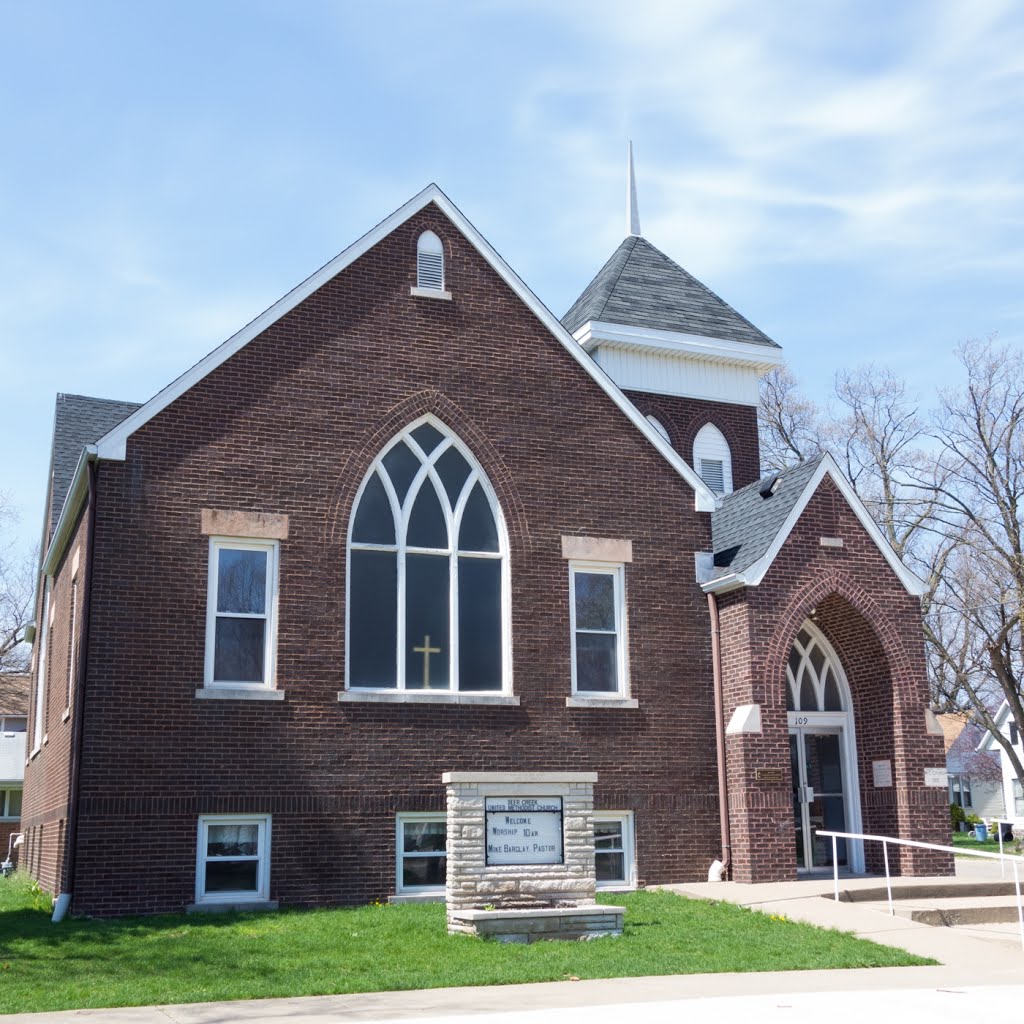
column 524, row 830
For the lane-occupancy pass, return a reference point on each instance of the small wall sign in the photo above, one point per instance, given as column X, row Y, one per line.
column 768, row 774
column 936, row 777
column 881, row 772
column 523, row 830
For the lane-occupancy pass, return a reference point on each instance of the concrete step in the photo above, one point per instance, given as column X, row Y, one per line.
column 928, row 890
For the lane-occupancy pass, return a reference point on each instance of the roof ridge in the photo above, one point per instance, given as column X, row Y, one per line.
column 625, row 260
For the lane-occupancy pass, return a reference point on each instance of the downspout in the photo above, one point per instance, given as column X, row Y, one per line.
column 720, row 868
column 63, row 901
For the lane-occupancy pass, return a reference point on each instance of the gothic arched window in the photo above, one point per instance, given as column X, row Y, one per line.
column 712, row 459
column 813, row 678
column 427, row 570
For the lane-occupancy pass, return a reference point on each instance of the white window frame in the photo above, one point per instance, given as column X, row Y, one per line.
column 272, row 548
column 72, row 642
column 402, row 819
column 38, row 732
column 5, row 802
column 617, row 571
column 6, row 730
column 262, row 894
column 453, row 521
column 710, row 445
column 625, row 818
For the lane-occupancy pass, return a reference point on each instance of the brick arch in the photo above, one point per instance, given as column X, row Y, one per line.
column 835, row 583
column 662, row 411
column 378, row 434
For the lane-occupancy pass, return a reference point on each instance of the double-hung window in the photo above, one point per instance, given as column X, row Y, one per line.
column 241, row 613
column 10, row 803
column 233, row 859
column 613, row 849
column 422, row 862
column 597, row 613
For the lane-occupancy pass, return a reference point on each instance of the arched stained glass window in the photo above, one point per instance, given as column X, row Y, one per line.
column 813, row 675
column 427, row 570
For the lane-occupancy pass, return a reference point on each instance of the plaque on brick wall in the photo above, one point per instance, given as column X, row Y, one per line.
column 936, row 777
column 768, row 774
column 523, row 830
column 881, row 772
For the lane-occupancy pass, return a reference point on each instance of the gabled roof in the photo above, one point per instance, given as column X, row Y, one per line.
column 752, row 524
column 113, row 443
column 641, row 287
column 746, row 525
column 77, row 421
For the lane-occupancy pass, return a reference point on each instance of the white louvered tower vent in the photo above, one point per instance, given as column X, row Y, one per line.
column 711, row 473
column 430, row 262
column 712, row 459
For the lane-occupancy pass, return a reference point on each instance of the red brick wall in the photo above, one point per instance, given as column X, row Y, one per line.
column 290, row 425
column 47, row 774
column 683, row 418
column 875, row 627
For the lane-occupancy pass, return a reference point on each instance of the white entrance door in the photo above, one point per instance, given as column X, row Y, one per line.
column 816, row 759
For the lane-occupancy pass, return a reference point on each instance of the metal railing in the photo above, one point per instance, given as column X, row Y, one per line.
column 886, row 841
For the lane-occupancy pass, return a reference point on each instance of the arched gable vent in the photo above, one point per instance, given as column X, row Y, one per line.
column 712, row 459
column 659, row 427
column 430, row 262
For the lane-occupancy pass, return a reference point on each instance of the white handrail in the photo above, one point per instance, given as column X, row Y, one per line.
column 886, row 840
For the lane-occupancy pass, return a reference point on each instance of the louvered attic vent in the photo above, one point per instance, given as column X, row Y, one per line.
column 713, row 474
column 430, row 262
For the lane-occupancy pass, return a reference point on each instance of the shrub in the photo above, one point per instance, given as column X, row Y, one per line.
column 956, row 815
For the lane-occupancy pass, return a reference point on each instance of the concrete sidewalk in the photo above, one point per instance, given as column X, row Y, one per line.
column 975, row 971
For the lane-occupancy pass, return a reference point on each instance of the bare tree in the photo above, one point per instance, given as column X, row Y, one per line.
column 16, row 591
column 788, row 422
column 976, row 641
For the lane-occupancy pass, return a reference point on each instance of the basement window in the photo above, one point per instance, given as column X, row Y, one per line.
column 233, row 862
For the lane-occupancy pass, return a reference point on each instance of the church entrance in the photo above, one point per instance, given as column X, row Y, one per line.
column 822, row 753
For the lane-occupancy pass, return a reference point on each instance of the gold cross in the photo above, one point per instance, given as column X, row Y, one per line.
column 426, row 650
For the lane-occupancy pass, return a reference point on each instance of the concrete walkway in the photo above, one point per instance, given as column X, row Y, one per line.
column 978, row 970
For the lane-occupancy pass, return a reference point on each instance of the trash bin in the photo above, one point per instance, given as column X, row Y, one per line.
column 981, row 832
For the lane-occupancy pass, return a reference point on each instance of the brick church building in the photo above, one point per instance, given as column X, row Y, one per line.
column 408, row 522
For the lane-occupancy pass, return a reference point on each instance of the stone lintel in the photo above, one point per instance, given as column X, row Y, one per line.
column 597, row 549
column 258, row 525
column 514, row 778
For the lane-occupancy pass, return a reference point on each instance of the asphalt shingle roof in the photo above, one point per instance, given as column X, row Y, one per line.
column 743, row 529
column 641, row 287
column 78, row 421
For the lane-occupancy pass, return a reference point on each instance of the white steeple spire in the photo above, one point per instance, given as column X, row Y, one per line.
column 632, row 210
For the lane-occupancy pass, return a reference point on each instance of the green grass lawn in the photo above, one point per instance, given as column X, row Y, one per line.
column 179, row 958
column 967, row 841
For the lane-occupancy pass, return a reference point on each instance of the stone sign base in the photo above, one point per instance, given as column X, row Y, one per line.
column 594, row 921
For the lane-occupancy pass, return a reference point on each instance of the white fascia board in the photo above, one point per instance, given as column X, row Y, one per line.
column 69, row 512
column 113, row 445
column 596, row 333
column 912, row 583
column 723, row 584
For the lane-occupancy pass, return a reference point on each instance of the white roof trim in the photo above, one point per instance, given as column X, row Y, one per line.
column 755, row 573
column 113, row 445
column 69, row 511
column 987, row 742
column 596, row 333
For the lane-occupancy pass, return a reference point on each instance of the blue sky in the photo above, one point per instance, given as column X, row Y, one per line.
column 847, row 175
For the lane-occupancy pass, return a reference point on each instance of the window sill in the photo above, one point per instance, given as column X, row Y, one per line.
column 237, row 693
column 66, row 715
column 600, row 702
column 430, row 293
column 422, row 697
column 223, row 908
column 418, row 897
column 615, row 887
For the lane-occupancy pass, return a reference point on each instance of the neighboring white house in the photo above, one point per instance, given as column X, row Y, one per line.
column 975, row 776
column 1013, row 796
